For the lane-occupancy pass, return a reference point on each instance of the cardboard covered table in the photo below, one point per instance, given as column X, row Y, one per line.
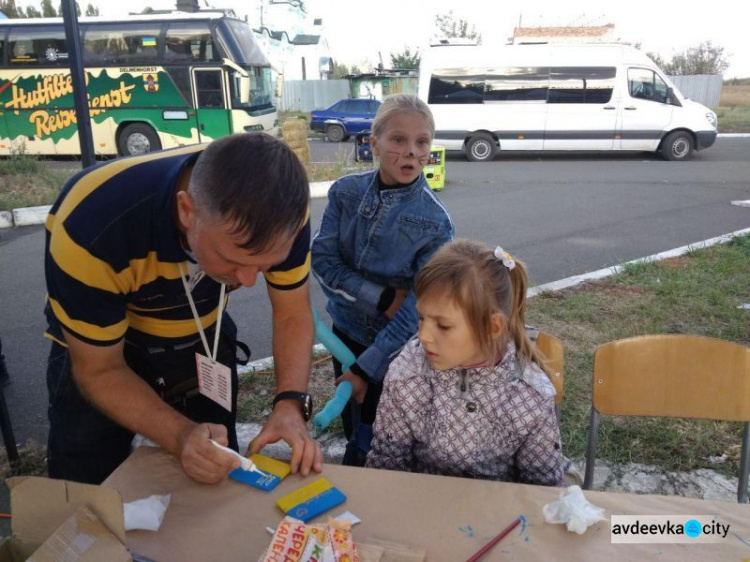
column 450, row 518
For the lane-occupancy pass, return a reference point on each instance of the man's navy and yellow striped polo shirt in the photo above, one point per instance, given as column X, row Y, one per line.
column 112, row 255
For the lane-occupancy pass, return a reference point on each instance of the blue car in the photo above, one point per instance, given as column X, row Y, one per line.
column 344, row 118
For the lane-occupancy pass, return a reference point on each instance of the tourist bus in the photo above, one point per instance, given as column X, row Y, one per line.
column 558, row 97
column 153, row 82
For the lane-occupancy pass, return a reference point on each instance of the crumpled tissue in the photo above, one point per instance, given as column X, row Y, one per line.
column 146, row 514
column 574, row 510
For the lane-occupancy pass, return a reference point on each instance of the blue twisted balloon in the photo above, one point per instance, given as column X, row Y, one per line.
column 343, row 355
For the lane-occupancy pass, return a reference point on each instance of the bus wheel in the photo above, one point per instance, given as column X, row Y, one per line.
column 480, row 148
column 335, row 133
column 677, row 146
column 136, row 139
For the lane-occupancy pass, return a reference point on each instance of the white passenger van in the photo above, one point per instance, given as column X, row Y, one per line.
column 558, row 97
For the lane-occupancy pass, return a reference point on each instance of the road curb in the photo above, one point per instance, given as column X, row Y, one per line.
column 267, row 362
column 27, row 216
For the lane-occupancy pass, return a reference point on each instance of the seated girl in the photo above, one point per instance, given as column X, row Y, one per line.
column 469, row 396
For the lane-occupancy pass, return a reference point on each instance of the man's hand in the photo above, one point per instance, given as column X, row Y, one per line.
column 202, row 461
column 359, row 385
column 398, row 300
column 286, row 423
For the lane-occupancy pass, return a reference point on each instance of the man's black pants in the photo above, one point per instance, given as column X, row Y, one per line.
column 86, row 446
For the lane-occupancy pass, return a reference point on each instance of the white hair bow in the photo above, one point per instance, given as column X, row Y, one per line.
column 505, row 257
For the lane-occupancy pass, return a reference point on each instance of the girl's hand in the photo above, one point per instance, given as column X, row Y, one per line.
column 359, row 385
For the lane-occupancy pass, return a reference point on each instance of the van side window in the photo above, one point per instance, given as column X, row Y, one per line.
column 517, row 84
column 645, row 84
column 456, row 85
column 581, row 84
column 37, row 46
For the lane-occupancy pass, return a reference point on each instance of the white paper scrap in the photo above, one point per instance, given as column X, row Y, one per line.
column 350, row 517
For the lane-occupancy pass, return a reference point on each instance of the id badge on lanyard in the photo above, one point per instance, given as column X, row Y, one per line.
column 214, row 379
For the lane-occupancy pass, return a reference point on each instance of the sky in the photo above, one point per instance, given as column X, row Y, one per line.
column 359, row 30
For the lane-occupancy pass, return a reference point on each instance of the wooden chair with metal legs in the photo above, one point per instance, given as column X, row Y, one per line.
column 554, row 356
column 677, row 376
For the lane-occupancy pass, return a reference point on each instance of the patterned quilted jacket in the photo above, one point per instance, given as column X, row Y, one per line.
column 496, row 423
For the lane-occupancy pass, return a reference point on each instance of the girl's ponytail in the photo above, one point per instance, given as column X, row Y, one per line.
column 517, row 318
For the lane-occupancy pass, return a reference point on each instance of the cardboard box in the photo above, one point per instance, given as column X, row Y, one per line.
column 63, row 521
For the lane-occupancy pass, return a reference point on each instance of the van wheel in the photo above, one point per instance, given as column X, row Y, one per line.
column 677, row 146
column 481, row 148
column 335, row 133
column 137, row 138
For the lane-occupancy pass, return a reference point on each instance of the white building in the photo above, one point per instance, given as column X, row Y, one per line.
column 293, row 40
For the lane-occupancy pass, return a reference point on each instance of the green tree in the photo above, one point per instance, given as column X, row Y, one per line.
column 705, row 58
column 658, row 60
column 9, row 8
column 406, row 59
column 449, row 26
column 60, row 10
column 339, row 70
column 48, row 10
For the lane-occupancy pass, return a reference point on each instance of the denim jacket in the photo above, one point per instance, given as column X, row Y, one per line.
column 369, row 240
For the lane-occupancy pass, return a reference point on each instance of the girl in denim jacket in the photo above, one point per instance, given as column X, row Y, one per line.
column 470, row 396
column 379, row 228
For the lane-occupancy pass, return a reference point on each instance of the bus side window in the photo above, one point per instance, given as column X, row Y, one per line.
column 104, row 47
column 121, row 43
column 189, row 42
column 38, row 46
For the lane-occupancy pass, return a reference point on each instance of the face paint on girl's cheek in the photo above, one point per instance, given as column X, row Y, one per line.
column 396, row 156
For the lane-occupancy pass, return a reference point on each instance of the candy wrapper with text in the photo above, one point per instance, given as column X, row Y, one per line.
column 295, row 541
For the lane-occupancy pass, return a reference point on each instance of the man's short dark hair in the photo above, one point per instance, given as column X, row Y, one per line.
column 254, row 182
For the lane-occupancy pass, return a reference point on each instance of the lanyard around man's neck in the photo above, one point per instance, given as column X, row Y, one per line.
column 210, row 355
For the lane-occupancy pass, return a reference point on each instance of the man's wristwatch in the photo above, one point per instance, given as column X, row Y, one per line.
column 304, row 399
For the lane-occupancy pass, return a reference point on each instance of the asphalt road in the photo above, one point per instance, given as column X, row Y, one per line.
column 562, row 214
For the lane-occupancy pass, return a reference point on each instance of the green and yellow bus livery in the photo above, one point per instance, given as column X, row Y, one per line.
column 208, row 79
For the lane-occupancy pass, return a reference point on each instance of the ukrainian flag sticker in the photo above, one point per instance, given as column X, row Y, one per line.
column 275, row 472
column 311, row 500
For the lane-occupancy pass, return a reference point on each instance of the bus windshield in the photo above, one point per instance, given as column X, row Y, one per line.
column 252, row 91
column 250, row 53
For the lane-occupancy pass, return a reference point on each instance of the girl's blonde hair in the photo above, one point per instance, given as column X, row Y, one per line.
column 480, row 284
column 401, row 103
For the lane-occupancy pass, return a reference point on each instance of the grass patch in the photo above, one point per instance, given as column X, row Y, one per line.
column 32, row 462
column 698, row 293
column 25, row 181
column 257, row 389
column 733, row 112
column 331, row 171
column 733, row 119
column 735, row 95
